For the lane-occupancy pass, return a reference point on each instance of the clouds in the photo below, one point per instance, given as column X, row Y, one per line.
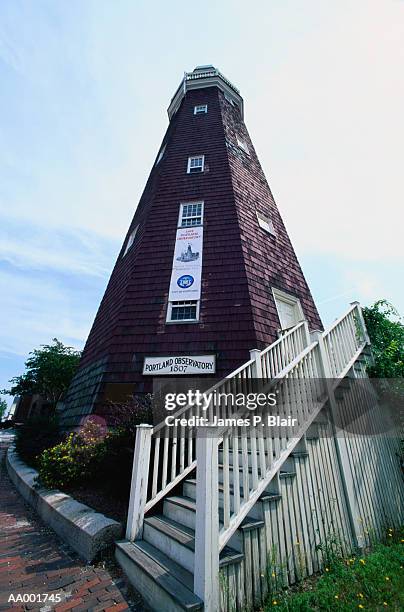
column 42, row 299
column 37, row 247
column 333, row 136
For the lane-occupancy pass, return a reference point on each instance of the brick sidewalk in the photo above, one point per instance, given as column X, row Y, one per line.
column 34, row 561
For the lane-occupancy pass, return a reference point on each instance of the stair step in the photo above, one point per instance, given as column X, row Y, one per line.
column 231, row 471
column 240, row 454
column 185, row 577
column 287, row 474
column 264, row 497
column 178, row 541
column 164, row 584
column 181, row 534
column 188, row 505
column 270, row 497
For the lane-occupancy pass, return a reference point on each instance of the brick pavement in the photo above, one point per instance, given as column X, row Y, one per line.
column 33, row 560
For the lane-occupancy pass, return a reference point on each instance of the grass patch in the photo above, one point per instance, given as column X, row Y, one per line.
column 374, row 581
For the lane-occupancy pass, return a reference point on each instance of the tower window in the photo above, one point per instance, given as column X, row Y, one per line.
column 200, row 109
column 196, row 164
column 160, row 155
column 183, row 311
column 191, row 214
column 131, row 239
column 266, row 224
column 243, row 145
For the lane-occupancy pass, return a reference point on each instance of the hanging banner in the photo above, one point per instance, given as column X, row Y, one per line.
column 187, row 265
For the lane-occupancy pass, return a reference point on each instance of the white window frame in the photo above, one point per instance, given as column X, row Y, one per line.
column 292, row 300
column 200, row 109
column 243, row 145
column 180, row 321
column 161, row 154
column 265, row 223
column 202, row 157
column 131, row 239
column 181, row 213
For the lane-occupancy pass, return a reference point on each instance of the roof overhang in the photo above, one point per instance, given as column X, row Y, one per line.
column 201, row 77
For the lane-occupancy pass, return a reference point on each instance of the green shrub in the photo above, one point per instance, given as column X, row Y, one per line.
column 76, row 459
column 34, row 436
column 386, row 332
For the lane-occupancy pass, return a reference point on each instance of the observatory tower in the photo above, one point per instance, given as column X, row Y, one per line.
column 206, row 271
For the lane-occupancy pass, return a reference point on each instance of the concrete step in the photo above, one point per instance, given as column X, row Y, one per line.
column 178, row 542
column 164, row 584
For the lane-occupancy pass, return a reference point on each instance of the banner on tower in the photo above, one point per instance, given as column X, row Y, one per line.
column 187, row 265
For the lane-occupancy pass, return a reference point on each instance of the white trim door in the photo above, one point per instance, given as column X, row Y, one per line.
column 289, row 309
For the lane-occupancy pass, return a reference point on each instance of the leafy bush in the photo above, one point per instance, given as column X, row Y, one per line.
column 95, row 455
column 371, row 582
column 34, row 436
column 76, row 459
column 386, row 333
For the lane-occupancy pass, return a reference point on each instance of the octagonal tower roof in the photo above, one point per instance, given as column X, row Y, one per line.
column 205, row 76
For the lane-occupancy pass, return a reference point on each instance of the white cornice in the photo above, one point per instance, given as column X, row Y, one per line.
column 206, row 76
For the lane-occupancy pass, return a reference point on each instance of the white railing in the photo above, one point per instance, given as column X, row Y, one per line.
column 343, row 340
column 251, row 472
column 255, row 459
column 173, row 454
column 276, row 357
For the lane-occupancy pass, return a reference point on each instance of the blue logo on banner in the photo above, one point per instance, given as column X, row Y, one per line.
column 185, row 281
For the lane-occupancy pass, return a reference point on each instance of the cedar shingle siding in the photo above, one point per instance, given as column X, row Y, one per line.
column 241, row 262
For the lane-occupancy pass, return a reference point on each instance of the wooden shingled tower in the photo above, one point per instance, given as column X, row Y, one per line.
column 206, row 271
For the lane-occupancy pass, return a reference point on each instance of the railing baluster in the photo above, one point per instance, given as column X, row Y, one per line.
column 226, row 480
column 254, row 464
column 236, row 472
column 165, row 461
column 244, row 463
column 174, row 454
column 156, row 465
column 182, row 449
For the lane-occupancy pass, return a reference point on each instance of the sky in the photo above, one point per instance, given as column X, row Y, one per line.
column 85, row 85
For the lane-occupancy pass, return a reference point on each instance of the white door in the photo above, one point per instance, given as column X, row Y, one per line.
column 287, row 314
column 289, row 309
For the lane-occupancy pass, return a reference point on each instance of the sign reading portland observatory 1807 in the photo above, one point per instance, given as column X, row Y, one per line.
column 198, row 364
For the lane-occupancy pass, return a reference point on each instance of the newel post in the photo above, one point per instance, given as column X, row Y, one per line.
column 257, row 368
column 206, row 569
column 139, row 482
column 345, row 468
column 361, row 321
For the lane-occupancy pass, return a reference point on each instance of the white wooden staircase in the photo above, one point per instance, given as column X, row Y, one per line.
column 198, row 506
